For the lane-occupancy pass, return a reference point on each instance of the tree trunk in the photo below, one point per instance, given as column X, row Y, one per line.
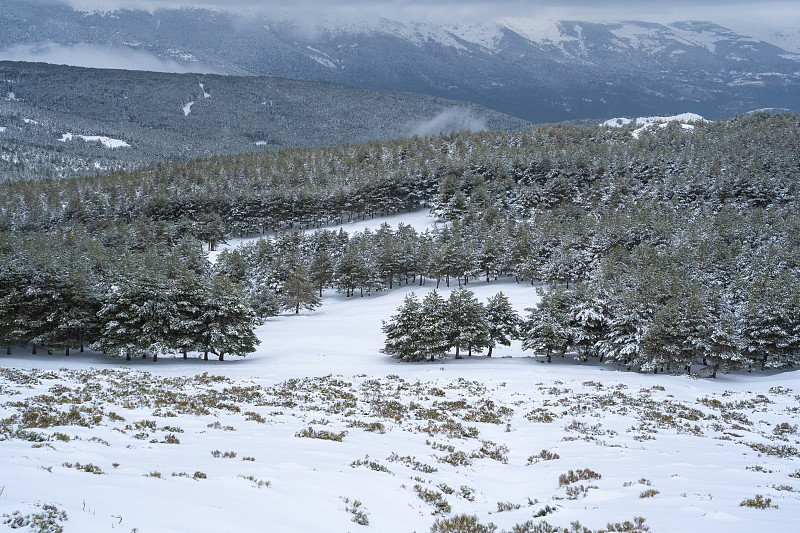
column 469, row 352
column 185, row 355
column 714, row 372
column 489, row 354
column 8, row 350
column 457, row 355
column 66, row 351
column 549, row 356
column 34, row 352
column 155, row 357
column 432, row 358
column 205, row 356
column 81, row 346
column 221, row 356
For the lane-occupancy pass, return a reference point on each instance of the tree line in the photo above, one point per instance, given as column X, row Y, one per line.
column 149, row 304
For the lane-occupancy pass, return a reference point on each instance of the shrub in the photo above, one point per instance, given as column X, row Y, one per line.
column 507, row 506
column 462, row 523
column 311, row 433
column 258, row 482
column 356, row 508
column 759, row 502
column 544, row 455
column 577, row 475
column 434, row 498
column 649, row 493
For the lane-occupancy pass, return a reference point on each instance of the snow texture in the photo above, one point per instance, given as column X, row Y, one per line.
column 187, row 109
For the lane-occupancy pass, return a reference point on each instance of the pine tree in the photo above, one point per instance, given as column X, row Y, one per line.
column 298, row 291
column 227, row 320
column 502, row 320
column 546, row 329
column 434, row 327
column 467, row 323
column 403, row 331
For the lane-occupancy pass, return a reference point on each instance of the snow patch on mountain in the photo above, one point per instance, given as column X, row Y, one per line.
column 187, row 109
column 2, row 129
column 321, row 57
column 203, row 88
column 107, row 142
column 645, row 123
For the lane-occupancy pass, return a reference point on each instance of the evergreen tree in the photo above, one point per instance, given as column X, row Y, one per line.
column 546, row 329
column 468, row 327
column 434, row 327
column 502, row 320
column 227, row 320
column 403, row 331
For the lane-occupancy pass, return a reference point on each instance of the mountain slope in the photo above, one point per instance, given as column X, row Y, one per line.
column 542, row 71
column 54, row 117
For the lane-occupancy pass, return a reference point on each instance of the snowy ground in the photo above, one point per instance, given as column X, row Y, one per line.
column 416, row 439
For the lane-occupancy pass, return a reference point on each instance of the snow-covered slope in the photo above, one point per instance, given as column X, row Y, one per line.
column 242, row 445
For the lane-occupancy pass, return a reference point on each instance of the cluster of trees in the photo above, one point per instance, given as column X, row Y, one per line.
column 136, row 307
column 669, row 326
column 673, row 229
column 428, row 329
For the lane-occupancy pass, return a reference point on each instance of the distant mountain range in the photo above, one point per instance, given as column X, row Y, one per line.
column 60, row 121
column 541, row 72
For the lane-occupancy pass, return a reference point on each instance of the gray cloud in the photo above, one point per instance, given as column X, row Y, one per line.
column 95, row 56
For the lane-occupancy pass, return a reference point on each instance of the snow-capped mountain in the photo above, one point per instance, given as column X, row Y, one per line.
column 539, row 70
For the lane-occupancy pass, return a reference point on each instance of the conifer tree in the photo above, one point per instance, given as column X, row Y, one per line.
column 467, row 323
column 546, row 330
column 403, row 331
column 227, row 320
column 434, row 327
column 502, row 320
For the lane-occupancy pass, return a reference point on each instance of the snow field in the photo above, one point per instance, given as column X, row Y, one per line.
column 416, row 438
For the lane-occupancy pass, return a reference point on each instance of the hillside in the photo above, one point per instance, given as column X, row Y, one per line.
column 62, row 121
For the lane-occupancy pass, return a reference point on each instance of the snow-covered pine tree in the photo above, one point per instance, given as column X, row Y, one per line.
column 546, row 330
column 502, row 320
column 434, row 327
column 403, row 331
column 227, row 320
column 467, row 323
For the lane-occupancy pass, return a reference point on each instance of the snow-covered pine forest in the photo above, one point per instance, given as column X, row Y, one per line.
column 673, row 248
column 286, row 376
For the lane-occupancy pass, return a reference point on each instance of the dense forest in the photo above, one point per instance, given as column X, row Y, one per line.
column 675, row 247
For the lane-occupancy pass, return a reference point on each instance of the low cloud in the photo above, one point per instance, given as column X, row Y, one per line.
column 96, row 56
column 452, row 119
